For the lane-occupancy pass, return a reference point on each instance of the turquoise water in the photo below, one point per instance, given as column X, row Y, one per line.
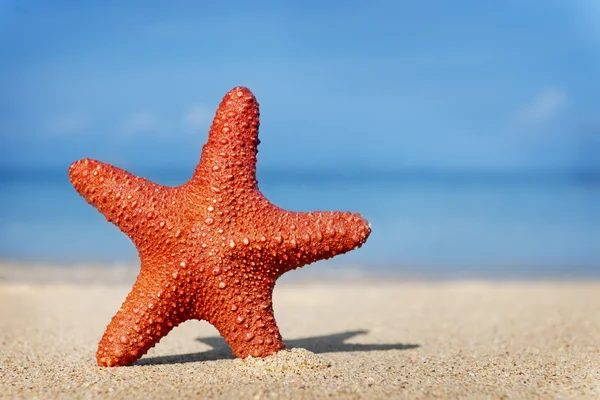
column 425, row 224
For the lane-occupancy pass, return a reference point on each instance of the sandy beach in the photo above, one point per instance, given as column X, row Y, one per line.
column 348, row 339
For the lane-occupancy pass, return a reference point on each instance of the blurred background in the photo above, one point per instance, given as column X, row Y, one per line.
column 468, row 133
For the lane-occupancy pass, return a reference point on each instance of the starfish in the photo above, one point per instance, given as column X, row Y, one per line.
column 212, row 248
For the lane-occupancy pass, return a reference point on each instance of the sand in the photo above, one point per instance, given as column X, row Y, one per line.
column 348, row 339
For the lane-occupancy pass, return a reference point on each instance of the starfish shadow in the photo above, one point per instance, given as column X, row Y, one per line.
column 333, row 343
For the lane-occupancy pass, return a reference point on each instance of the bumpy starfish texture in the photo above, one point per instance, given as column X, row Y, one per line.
column 212, row 248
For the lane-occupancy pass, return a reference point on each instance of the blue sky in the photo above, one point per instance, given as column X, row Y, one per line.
column 384, row 85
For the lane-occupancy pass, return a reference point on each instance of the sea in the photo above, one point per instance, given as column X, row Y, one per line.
column 426, row 224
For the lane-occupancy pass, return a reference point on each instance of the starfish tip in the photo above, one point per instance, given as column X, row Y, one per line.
column 239, row 100
column 240, row 91
column 76, row 169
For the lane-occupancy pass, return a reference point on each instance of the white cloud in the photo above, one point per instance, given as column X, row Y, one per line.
column 69, row 124
column 545, row 107
column 197, row 118
column 140, row 123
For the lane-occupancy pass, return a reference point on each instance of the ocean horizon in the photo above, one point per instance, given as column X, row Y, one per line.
column 425, row 222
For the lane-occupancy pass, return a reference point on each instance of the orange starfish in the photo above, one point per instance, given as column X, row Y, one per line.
column 212, row 248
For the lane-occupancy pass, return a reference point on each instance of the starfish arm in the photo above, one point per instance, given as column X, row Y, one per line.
column 132, row 203
column 148, row 313
column 308, row 237
column 229, row 157
column 248, row 327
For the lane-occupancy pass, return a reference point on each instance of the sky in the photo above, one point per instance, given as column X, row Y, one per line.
column 380, row 85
